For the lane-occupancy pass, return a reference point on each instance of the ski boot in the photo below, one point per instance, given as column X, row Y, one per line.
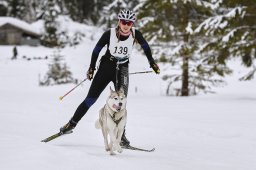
column 124, row 141
column 67, row 128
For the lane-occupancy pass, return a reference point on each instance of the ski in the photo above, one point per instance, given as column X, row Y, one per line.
column 50, row 138
column 54, row 136
column 138, row 149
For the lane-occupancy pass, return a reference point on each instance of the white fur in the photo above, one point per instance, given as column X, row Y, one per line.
column 108, row 126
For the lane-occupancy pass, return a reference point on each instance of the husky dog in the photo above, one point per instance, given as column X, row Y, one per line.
column 112, row 120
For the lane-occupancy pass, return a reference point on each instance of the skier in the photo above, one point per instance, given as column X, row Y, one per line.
column 113, row 65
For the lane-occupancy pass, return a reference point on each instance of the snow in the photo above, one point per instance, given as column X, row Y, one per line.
column 18, row 23
column 227, row 37
column 212, row 23
column 236, row 11
column 220, row 21
column 67, row 25
column 205, row 132
column 189, row 28
column 5, row 4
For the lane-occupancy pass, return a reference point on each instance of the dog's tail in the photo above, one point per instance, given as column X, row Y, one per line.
column 97, row 124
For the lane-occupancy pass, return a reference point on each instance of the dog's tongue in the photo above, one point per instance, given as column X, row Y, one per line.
column 116, row 107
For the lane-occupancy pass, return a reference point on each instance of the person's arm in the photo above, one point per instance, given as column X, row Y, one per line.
column 144, row 45
column 100, row 44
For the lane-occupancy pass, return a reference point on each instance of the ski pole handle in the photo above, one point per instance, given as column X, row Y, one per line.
column 61, row 97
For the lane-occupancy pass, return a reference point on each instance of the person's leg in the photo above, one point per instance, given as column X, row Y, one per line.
column 98, row 85
column 123, row 81
column 101, row 80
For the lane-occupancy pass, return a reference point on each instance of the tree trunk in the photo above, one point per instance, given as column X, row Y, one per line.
column 185, row 74
column 185, row 77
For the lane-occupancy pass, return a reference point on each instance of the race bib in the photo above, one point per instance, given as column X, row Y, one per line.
column 120, row 49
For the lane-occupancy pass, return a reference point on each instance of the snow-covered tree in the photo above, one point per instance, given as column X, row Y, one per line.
column 82, row 11
column 51, row 12
column 32, row 10
column 233, row 26
column 58, row 72
column 79, row 9
column 111, row 10
column 169, row 25
column 16, row 8
column 53, row 36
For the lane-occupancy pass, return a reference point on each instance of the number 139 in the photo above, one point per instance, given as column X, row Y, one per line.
column 121, row 50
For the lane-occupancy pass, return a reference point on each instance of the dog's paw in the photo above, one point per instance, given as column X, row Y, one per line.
column 107, row 149
column 112, row 153
column 120, row 150
column 117, row 148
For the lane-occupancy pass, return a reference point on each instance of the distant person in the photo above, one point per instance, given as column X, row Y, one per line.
column 15, row 53
column 113, row 65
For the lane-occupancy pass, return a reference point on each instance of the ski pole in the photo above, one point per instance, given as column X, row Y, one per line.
column 61, row 97
column 141, row 72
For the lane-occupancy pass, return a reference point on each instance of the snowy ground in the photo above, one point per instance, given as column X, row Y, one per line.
column 206, row 132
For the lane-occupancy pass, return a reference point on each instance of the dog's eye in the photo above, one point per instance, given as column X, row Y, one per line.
column 121, row 98
column 116, row 98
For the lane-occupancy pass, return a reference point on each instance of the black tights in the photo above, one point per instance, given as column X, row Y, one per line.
column 105, row 74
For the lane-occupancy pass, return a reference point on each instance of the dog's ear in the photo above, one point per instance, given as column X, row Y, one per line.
column 121, row 90
column 111, row 91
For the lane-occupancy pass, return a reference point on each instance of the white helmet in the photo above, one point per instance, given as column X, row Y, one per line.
column 127, row 15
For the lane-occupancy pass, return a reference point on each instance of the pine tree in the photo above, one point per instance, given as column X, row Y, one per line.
column 58, row 72
column 169, row 25
column 17, row 8
column 84, row 11
column 3, row 8
column 31, row 7
column 111, row 10
column 52, row 36
column 72, row 10
column 233, row 26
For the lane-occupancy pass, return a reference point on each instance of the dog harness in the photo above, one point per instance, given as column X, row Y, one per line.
column 113, row 117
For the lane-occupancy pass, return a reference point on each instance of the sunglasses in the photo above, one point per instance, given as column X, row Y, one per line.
column 124, row 22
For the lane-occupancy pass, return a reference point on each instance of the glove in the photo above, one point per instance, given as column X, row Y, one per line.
column 90, row 73
column 155, row 67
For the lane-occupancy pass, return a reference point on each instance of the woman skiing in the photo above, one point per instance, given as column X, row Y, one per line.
column 113, row 66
